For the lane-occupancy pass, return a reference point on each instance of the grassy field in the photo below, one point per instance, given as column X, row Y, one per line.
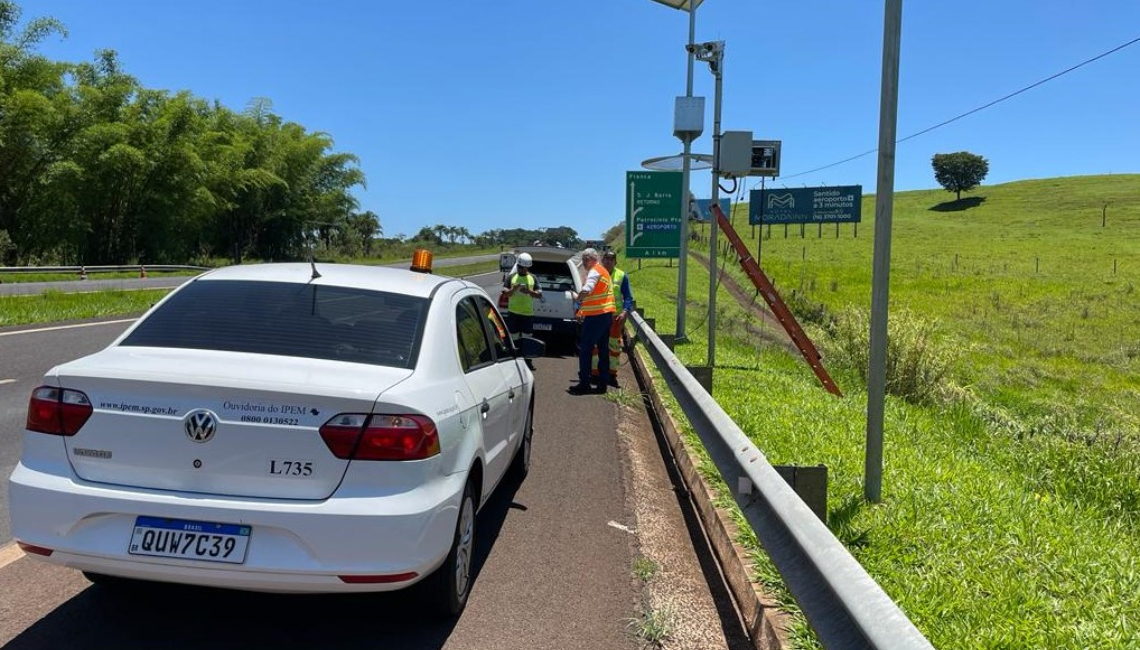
column 1042, row 303
column 465, row 270
column 1011, row 501
column 54, row 306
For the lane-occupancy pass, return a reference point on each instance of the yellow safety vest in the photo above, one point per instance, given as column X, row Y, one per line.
column 601, row 299
column 520, row 303
column 618, row 276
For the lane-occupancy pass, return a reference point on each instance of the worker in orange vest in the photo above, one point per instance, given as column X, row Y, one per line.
column 596, row 311
column 623, row 304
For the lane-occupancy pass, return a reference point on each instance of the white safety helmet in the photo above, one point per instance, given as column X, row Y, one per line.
column 525, row 261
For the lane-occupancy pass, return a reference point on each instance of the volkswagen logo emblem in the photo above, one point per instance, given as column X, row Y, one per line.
column 200, row 425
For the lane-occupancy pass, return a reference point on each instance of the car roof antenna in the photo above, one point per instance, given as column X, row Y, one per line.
column 312, row 260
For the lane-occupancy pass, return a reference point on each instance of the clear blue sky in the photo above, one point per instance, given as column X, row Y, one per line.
column 527, row 113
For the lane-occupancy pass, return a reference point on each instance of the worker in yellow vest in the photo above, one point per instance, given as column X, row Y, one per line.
column 522, row 288
column 623, row 304
column 596, row 310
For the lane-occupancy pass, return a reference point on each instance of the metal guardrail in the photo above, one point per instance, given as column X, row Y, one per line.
column 843, row 604
column 100, row 269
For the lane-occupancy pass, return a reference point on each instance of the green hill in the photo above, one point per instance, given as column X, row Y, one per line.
column 1023, row 279
column 1011, row 504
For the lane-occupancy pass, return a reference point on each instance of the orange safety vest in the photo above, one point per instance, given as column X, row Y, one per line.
column 601, row 299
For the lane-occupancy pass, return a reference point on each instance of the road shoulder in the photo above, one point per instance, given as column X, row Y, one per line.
column 683, row 594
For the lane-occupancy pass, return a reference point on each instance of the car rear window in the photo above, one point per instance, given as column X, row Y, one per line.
column 288, row 319
column 553, row 276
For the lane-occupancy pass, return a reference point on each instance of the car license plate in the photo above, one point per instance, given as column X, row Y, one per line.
column 546, row 327
column 189, row 540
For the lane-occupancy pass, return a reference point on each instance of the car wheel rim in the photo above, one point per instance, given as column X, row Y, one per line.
column 463, row 552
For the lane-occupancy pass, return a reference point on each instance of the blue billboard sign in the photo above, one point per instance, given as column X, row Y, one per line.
column 840, row 204
column 701, row 211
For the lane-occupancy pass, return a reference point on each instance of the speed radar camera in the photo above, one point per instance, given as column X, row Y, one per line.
column 741, row 156
column 765, row 158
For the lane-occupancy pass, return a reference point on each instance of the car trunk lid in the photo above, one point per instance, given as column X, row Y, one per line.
column 220, row 423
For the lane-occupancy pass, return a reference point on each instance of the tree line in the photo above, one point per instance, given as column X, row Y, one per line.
column 440, row 234
column 95, row 168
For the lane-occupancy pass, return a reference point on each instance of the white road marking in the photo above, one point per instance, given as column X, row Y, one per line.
column 68, row 327
column 9, row 553
column 627, row 529
column 7, row 381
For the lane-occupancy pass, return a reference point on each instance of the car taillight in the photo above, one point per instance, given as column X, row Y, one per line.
column 58, row 411
column 342, row 432
column 356, row 436
column 32, row 549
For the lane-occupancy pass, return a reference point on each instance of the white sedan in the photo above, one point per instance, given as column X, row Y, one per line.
column 282, row 428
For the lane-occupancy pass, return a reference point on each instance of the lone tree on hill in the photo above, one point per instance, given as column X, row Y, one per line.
column 959, row 172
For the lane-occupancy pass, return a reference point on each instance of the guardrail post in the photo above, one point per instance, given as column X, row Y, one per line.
column 703, row 375
column 810, row 483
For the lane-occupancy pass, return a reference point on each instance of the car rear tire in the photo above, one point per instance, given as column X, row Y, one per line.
column 452, row 581
column 520, row 466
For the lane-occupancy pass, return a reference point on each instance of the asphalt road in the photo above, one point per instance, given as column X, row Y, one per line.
column 94, row 284
column 553, row 571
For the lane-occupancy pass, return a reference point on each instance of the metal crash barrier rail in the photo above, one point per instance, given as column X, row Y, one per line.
column 843, row 604
column 158, row 268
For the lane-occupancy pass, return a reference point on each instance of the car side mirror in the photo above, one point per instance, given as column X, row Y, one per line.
column 530, row 347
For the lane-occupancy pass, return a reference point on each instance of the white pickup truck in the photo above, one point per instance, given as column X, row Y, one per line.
column 558, row 272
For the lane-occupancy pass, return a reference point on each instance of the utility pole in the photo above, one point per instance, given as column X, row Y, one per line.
column 686, row 167
column 881, row 265
column 716, row 64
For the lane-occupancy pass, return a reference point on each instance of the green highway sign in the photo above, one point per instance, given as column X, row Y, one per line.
column 653, row 214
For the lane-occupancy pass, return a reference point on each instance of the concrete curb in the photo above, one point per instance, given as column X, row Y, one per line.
column 762, row 618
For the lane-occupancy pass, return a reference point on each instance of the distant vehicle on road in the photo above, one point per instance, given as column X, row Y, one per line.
column 558, row 272
column 282, row 428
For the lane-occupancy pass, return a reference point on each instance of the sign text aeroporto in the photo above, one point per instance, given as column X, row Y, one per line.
column 653, row 214
column 840, row 204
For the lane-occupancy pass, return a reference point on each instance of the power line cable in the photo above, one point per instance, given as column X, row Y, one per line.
column 971, row 112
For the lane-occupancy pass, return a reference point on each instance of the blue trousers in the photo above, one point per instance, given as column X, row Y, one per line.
column 595, row 331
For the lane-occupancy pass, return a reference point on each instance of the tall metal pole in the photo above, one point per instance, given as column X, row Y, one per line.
column 718, row 70
column 686, row 165
column 881, row 265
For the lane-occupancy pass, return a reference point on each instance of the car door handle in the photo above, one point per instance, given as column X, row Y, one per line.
column 484, row 407
column 511, row 394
